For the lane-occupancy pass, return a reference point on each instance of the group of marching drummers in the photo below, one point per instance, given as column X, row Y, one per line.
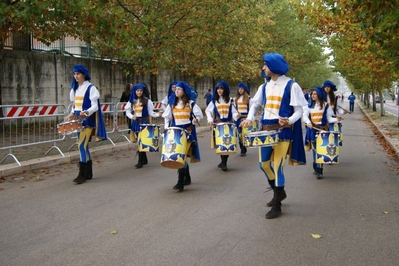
column 270, row 121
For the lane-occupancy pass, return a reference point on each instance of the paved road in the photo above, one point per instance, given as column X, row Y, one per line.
column 128, row 216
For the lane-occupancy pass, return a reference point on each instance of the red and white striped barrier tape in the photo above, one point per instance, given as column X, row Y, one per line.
column 29, row 111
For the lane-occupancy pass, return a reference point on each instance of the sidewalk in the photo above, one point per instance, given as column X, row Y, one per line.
column 33, row 164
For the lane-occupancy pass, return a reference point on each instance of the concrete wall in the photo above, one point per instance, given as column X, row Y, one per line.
column 42, row 78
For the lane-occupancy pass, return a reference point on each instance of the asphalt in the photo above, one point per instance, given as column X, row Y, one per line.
column 129, row 216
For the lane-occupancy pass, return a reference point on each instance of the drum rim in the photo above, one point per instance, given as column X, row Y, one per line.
column 256, row 133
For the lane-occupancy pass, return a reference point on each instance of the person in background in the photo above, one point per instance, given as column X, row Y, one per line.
column 241, row 101
column 283, row 103
column 306, row 94
column 138, row 109
column 171, row 91
column 86, row 106
column 332, row 100
column 221, row 110
column 351, row 99
column 316, row 118
column 125, row 98
column 182, row 112
column 208, row 97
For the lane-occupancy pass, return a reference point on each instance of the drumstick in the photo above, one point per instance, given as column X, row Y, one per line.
column 273, row 113
column 344, row 109
column 195, row 118
column 316, row 128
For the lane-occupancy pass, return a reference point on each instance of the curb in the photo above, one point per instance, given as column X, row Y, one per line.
column 392, row 142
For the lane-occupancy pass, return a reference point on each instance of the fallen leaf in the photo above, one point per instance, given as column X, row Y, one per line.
column 317, row 236
column 385, row 212
column 114, row 232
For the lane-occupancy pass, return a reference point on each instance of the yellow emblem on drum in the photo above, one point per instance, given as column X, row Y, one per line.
column 174, row 148
column 149, row 138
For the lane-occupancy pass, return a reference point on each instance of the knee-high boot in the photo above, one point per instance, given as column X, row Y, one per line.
column 187, row 177
column 223, row 164
column 319, row 173
column 145, row 160
column 180, row 182
column 81, row 178
column 140, row 161
column 273, row 201
column 89, row 173
column 276, row 208
column 243, row 150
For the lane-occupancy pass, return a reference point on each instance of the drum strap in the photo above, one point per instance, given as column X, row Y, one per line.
column 274, row 127
column 325, row 128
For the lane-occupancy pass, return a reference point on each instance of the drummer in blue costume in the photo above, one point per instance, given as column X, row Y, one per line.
column 283, row 103
column 171, row 91
column 138, row 109
column 316, row 118
column 221, row 110
column 182, row 112
column 86, row 106
column 242, row 101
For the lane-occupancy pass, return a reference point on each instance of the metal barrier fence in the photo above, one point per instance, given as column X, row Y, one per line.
column 27, row 125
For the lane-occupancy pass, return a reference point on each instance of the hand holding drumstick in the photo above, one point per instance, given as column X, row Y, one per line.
column 283, row 121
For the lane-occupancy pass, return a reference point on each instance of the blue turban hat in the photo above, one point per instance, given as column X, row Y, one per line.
column 244, row 86
column 80, row 69
column 221, row 84
column 186, row 88
column 330, row 84
column 321, row 93
column 138, row 86
column 276, row 63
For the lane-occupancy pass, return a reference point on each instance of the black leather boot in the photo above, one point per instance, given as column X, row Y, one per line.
column 89, row 173
column 276, row 208
column 180, row 182
column 140, row 162
column 243, row 150
column 273, row 186
column 145, row 160
column 319, row 173
column 81, row 178
column 282, row 195
column 223, row 164
column 314, row 168
column 187, row 177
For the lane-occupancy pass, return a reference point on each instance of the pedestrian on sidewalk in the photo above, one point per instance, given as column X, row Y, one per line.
column 139, row 108
column 316, row 118
column 221, row 110
column 183, row 112
column 283, row 103
column 86, row 106
column 351, row 100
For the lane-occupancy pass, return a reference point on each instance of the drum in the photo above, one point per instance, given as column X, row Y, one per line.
column 148, row 138
column 174, row 148
column 261, row 138
column 327, row 147
column 246, row 130
column 336, row 127
column 225, row 138
column 70, row 127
